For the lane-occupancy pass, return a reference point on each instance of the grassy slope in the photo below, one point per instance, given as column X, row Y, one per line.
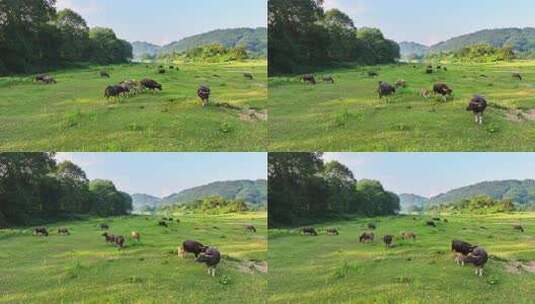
column 73, row 115
column 81, row 268
column 348, row 116
column 421, row 271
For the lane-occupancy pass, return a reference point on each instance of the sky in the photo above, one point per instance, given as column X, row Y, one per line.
column 161, row 174
column 429, row 22
column 164, row 21
column 429, row 174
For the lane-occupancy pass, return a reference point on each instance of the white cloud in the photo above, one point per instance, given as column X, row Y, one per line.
column 88, row 7
column 352, row 8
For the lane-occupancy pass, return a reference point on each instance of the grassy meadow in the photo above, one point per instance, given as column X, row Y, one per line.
column 349, row 116
column 82, row 268
column 338, row 269
column 74, row 115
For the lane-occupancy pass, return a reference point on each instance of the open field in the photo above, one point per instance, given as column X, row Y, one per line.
column 82, row 268
column 73, row 114
column 337, row 269
column 349, row 116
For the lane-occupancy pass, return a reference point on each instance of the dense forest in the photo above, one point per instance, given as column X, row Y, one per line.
column 211, row 53
column 208, row 205
column 476, row 205
column 481, row 53
column 34, row 187
column 35, row 37
column 303, row 35
column 302, row 188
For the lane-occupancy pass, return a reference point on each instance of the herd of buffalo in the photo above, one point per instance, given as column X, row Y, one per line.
column 465, row 253
column 476, row 105
column 128, row 88
column 208, row 255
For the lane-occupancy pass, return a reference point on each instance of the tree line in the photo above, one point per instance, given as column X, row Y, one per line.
column 302, row 34
column 481, row 204
column 481, row 53
column 34, row 36
column 34, row 186
column 213, row 53
column 303, row 188
column 208, row 205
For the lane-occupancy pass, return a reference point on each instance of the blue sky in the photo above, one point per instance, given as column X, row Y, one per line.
column 161, row 174
column 431, row 21
column 164, row 21
column 430, row 174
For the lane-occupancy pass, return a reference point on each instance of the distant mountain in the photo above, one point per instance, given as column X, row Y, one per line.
column 140, row 48
column 521, row 192
column 140, row 200
column 253, row 192
column 255, row 40
column 409, row 200
column 412, row 48
column 522, row 40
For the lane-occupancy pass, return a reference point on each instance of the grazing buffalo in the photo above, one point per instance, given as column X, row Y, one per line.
column 309, row 231
column 436, row 219
column 332, row 231
column 104, row 74
column 431, row 223
column 161, row 71
column 248, row 76
column 204, row 94
column 478, row 257
column 40, row 231
column 136, row 235
column 150, row 84
column 115, row 91
column 387, row 239
column 63, row 231
column 309, row 78
column 442, row 89
column 401, row 84
column 429, row 70
column 119, row 241
column 191, row 246
column 408, row 235
column 366, row 237
column 211, row 258
column 371, row 226
column 104, row 227
column 461, row 248
column 477, row 105
column 372, row 74
column 162, row 223
column 109, row 238
column 250, row 228
column 517, row 76
column 518, row 227
column 385, row 89
column 328, row 79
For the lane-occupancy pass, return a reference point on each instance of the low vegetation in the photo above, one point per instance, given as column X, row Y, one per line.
column 74, row 115
column 82, row 267
column 339, row 269
column 349, row 115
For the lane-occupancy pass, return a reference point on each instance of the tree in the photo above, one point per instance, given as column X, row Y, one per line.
column 74, row 35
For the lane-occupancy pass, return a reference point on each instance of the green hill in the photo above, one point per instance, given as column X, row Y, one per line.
column 521, row 192
column 255, row 40
column 253, row 192
column 522, row 40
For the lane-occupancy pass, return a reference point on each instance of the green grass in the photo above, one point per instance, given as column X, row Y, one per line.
column 73, row 115
column 337, row 269
column 349, row 116
column 81, row 268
